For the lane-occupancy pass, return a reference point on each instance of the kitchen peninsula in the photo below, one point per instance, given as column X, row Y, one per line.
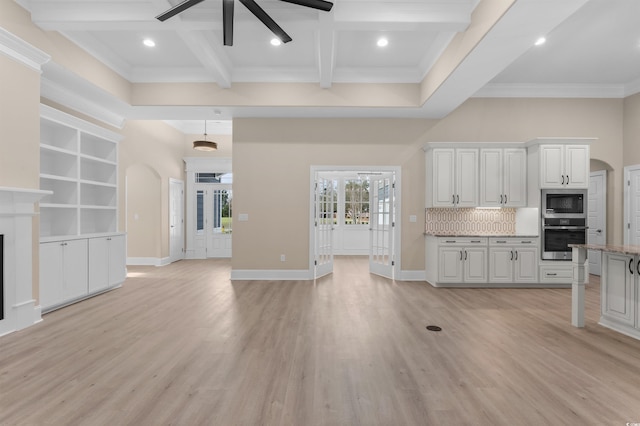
column 620, row 287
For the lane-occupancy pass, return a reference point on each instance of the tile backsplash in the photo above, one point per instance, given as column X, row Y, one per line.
column 470, row 221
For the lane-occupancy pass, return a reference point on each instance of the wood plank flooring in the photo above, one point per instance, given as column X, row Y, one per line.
column 183, row 345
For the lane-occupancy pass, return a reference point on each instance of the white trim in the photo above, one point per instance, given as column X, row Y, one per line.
column 417, row 275
column 207, row 164
column 626, row 204
column 69, row 89
column 22, row 52
column 56, row 115
column 271, row 275
column 181, row 183
column 507, row 90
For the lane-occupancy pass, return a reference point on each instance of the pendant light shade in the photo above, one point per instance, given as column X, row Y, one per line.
column 205, row 145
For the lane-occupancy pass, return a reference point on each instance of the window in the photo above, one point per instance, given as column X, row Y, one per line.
column 222, row 211
column 199, row 212
column 214, row 177
column 356, row 202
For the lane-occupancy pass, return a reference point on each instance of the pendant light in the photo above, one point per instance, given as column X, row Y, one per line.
column 205, row 145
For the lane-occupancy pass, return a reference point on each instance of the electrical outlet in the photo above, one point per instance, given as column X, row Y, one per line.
column 282, row 258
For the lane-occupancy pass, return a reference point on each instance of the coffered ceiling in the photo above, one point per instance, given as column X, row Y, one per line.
column 592, row 50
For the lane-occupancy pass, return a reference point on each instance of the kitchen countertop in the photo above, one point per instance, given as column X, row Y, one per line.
column 632, row 250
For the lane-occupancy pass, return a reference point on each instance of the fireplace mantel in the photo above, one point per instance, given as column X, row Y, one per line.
column 17, row 208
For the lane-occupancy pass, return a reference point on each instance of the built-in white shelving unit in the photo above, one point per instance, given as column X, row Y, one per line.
column 79, row 163
column 79, row 240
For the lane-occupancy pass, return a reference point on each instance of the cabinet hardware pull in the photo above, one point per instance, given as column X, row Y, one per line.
column 453, row 201
column 563, row 179
column 465, row 255
column 516, row 254
column 476, row 241
column 525, row 242
column 638, row 267
column 457, row 199
column 549, row 274
column 450, row 241
column 501, row 202
column 630, row 262
column 567, row 179
column 511, row 254
column 505, row 198
column 501, row 242
column 460, row 254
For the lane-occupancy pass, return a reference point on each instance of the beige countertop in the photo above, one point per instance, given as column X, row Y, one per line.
column 631, row 250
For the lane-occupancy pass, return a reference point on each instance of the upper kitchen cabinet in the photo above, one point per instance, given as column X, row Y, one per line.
column 561, row 163
column 503, row 177
column 452, row 176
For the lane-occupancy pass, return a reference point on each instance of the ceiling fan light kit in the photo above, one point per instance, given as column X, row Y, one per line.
column 254, row 8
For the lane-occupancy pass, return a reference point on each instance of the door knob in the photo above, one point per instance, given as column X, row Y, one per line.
column 599, row 231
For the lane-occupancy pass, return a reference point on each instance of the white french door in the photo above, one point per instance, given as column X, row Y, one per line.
column 324, row 221
column 176, row 220
column 597, row 218
column 213, row 220
column 381, row 224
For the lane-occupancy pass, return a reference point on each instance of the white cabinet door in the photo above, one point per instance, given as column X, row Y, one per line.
column 75, row 269
column 491, row 188
column 577, row 166
column 117, row 259
column 467, row 177
column 106, row 262
column 475, row 265
column 552, row 166
column 443, row 176
column 98, row 264
column 501, row 264
column 51, row 277
column 525, row 264
column 450, row 264
column 618, row 289
column 515, row 177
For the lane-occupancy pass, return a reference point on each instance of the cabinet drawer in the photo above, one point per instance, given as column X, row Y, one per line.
column 556, row 274
column 466, row 241
column 513, row 241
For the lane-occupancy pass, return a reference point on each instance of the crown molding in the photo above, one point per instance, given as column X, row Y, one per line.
column 66, row 88
column 497, row 90
column 21, row 51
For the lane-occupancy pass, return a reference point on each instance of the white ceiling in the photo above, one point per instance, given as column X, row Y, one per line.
column 592, row 49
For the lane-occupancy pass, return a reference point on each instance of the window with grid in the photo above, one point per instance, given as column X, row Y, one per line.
column 356, row 202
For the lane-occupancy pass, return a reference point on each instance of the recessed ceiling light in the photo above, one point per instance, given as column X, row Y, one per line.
column 276, row 41
column 148, row 42
column 382, row 42
column 540, row 41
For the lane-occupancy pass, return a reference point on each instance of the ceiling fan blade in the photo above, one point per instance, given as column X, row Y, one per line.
column 266, row 19
column 316, row 4
column 227, row 21
column 186, row 4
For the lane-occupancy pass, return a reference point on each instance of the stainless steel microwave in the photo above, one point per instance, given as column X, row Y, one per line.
column 564, row 203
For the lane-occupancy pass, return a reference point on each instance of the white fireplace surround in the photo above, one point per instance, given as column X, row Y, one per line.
column 17, row 208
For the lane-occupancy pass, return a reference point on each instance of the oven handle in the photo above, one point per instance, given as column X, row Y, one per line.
column 563, row 228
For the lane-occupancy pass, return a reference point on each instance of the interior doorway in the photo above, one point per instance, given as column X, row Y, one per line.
column 597, row 218
column 355, row 211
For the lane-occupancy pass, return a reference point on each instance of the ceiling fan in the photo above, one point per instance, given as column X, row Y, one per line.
column 227, row 15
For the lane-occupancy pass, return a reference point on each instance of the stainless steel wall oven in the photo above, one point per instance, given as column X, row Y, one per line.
column 564, row 222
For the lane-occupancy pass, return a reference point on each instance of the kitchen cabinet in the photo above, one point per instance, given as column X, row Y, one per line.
column 513, row 260
column 503, row 177
column 63, row 272
column 462, row 260
column 619, row 288
column 452, row 177
column 564, row 166
column 107, row 260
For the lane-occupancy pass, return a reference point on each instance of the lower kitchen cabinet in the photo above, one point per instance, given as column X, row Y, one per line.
column 618, row 288
column 513, row 260
column 74, row 269
column 461, row 260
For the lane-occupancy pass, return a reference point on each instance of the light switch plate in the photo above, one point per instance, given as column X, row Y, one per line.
column 243, row 217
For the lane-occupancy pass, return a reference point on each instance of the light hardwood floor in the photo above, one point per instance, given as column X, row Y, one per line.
column 183, row 345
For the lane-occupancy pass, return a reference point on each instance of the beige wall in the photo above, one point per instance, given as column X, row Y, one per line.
column 150, row 153
column 632, row 130
column 272, row 159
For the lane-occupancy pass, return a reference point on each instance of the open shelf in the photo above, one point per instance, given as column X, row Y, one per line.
column 79, row 164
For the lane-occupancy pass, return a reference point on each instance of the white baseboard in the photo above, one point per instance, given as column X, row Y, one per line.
column 271, row 274
column 412, row 276
column 148, row 261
